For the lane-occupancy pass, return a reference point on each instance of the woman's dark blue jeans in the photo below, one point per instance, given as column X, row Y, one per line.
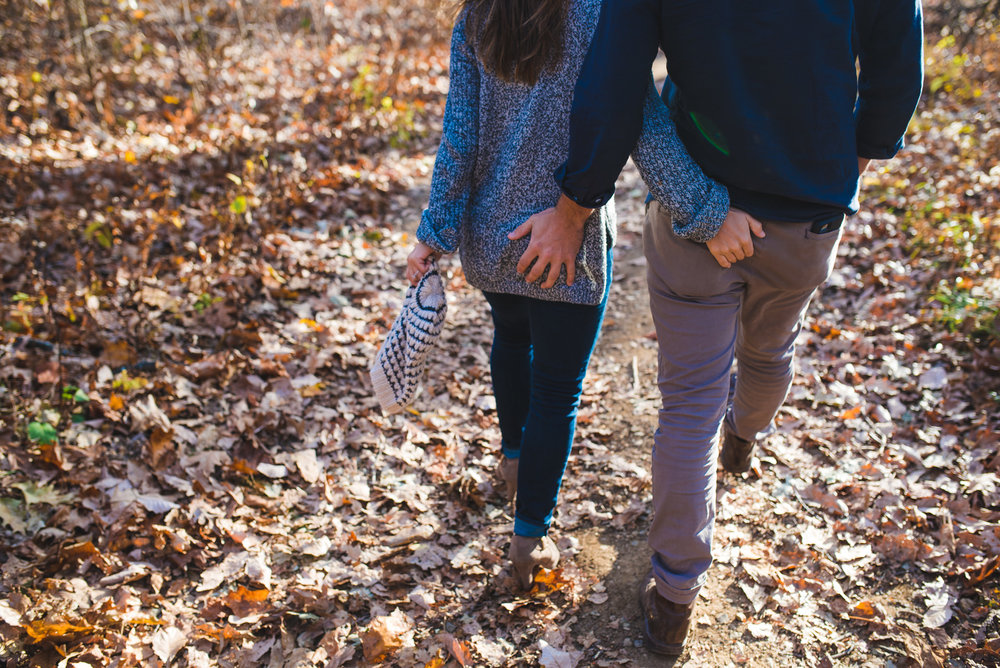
column 540, row 354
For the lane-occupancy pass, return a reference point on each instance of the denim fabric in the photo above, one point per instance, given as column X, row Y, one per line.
column 540, row 354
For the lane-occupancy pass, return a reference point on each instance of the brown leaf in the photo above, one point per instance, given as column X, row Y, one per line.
column 161, row 443
column 460, row 652
column 245, row 602
column 118, row 353
column 51, row 454
column 49, row 373
column 206, row 368
column 385, row 635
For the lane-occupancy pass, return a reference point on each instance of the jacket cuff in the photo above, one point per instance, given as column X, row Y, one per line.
column 877, row 151
column 587, row 201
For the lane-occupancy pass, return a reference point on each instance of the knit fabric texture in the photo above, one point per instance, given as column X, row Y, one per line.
column 399, row 364
column 501, row 143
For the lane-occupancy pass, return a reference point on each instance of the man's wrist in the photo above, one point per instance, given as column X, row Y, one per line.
column 572, row 211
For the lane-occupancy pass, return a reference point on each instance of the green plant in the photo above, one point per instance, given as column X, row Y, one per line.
column 946, row 71
column 961, row 308
column 204, row 301
column 99, row 232
column 42, row 433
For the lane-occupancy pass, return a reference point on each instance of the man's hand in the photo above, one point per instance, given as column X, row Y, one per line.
column 556, row 237
column 419, row 262
column 733, row 242
column 863, row 164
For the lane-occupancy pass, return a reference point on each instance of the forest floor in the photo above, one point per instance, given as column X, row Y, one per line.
column 203, row 224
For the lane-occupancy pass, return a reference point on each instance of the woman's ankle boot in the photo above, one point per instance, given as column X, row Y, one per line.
column 507, row 470
column 527, row 554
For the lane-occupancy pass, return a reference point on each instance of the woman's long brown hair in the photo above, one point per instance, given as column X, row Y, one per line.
column 516, row 39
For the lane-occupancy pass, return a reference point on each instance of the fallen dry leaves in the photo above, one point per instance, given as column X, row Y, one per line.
column 200, row 254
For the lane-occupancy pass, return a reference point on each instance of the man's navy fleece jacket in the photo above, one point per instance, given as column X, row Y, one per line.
column 767, row 96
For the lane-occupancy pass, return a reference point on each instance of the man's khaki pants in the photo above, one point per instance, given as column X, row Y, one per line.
column 704, row 315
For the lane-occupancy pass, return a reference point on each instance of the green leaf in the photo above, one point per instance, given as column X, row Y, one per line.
column 74, row 393
column 238, row 205
column 43, row 433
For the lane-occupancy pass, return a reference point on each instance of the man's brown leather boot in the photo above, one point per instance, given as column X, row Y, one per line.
column 664, row 623
column 736, row 452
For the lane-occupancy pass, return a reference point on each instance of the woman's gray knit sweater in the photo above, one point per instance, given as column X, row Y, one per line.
column 501, row 143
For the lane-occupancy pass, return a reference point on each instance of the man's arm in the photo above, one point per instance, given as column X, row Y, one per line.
column 606, row 117
column 604, row 125
column 890, row 54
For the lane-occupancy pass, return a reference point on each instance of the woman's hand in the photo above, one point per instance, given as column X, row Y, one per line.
column 734, row 240
column 419, row 262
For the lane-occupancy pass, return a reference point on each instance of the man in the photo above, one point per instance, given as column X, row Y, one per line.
column 784, row 102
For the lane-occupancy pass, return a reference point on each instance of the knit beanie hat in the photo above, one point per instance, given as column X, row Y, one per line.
column 399, row 363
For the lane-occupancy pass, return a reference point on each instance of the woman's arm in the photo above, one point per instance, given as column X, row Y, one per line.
column 446, row 212
column 697, row 203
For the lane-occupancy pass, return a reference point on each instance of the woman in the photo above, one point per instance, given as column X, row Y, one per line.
column 514, row 64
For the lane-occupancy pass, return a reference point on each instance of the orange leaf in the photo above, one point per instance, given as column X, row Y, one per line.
column 550, row 579
column 146, row 621
column 437, row 662
column 243, row 466
column 460, row 652
column 851, row 413
column 248, row 595
column 40, row 630
column 865, row 609
column 116, row 403
column 210, row 632
column 245, row 602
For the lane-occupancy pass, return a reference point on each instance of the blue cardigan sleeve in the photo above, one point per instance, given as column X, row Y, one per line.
column 697, row 203
column 890, row 54
column 448, row 208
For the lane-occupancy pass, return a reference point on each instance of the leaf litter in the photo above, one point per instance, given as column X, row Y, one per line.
column 194, row 470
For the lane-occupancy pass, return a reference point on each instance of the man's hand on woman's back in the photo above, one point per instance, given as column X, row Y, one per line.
column 556, row 237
